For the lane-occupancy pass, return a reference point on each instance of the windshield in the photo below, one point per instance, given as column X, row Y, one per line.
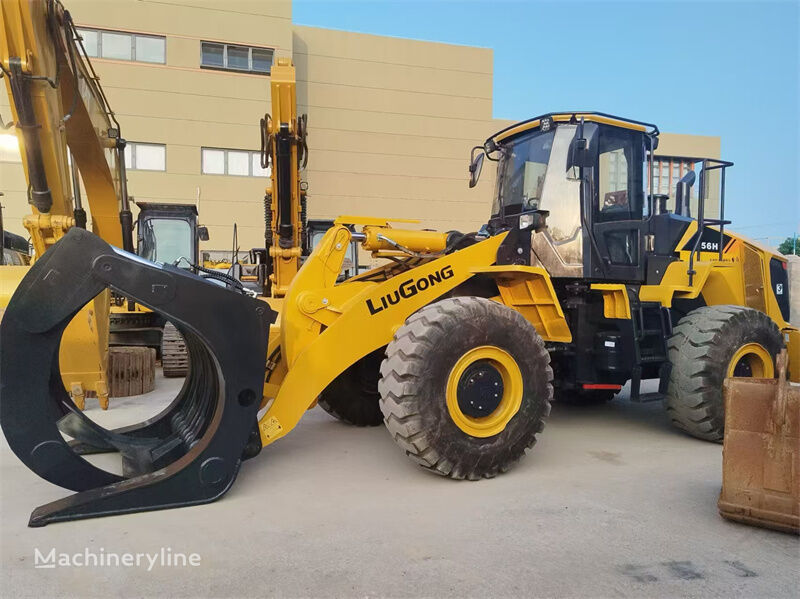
column 521, row 173
column 534, row 174
column 167, row 240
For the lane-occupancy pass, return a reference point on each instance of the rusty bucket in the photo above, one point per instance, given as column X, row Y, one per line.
column 761, row 452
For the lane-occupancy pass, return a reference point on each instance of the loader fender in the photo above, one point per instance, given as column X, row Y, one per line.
column 354, row 326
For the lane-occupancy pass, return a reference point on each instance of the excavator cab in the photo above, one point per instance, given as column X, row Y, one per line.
column 169, row 233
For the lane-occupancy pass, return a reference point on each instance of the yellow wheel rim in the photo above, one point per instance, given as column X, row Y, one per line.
column 498, row 367
column 756, row 357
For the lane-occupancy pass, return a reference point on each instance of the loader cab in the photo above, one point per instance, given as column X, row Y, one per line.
column 169, row 233
column 583, row 174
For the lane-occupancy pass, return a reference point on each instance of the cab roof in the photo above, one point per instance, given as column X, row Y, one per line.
column 573, row 117
column 166, row 208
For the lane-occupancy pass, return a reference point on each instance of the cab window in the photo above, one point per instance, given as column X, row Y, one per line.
column 619, row 181
column 167, row 240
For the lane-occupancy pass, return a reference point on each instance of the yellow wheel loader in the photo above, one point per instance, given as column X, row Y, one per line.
column 580, row 280
column 647, row 292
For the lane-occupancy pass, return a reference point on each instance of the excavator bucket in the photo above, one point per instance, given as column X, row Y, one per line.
column 761, row 452
column 188, row 454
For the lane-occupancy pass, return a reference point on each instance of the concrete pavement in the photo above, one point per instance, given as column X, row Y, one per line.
column 611, row 503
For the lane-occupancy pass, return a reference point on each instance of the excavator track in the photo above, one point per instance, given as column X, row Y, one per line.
column 188, row 454
column 174, row 357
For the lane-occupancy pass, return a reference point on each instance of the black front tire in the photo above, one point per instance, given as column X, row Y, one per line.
column 414, row 378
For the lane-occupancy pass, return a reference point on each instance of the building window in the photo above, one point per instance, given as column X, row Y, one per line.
column 117, row 45
column 667, row 171
column 145, row 157
column 232, row 57
column 240, row 163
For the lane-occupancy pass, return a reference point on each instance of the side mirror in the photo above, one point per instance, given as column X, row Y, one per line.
column 683, row 193
column 579, row 158
column 202, row 233
column 581, row 154
column 476, row 165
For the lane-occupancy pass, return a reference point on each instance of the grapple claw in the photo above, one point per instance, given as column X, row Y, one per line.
column 188, row 454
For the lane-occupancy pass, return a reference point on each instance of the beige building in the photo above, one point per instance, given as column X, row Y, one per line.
column 391, row 121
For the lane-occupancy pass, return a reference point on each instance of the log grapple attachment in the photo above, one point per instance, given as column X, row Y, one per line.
column 188, row 454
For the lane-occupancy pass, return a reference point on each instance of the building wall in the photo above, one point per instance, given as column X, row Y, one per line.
column 391, row 121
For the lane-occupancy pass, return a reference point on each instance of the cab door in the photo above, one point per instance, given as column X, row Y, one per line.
column 616, row 212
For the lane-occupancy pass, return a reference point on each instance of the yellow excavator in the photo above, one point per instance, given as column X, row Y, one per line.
column 61, row 112
column 581, row 279
column 56, row 103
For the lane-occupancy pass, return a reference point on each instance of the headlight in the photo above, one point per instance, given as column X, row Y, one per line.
column 526, row 221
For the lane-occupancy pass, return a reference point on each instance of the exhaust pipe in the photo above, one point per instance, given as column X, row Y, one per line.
column 188, row 454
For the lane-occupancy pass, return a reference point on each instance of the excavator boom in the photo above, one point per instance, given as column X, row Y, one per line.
column 58, row 110
column 284, row 148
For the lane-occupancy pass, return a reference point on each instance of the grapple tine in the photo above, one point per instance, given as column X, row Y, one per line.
column 189, row 453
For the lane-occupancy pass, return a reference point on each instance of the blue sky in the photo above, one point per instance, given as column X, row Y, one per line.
column 730, row 69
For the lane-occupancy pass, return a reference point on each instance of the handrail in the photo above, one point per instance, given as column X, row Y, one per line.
column 708, row 164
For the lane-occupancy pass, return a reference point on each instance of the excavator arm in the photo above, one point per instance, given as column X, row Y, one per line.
column 58, row 109
column 284, row 148
column 57, row 103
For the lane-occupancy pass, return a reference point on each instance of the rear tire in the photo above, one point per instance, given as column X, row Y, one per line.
column 428, row 368
column 353, row 396
column 701, row 351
